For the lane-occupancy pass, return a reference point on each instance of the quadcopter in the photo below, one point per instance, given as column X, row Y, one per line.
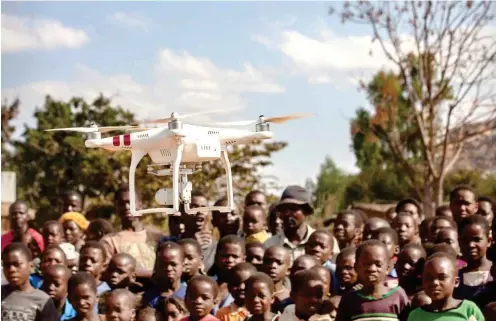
column 177, row 149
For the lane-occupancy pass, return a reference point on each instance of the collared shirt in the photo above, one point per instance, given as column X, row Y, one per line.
column 232, row 313
column 289, row 315
column 296, row 250
column 68, row 312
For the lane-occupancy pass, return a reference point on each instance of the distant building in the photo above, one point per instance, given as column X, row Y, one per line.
column 9, row 196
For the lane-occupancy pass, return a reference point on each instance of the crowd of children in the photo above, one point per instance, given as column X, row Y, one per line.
column 264, row 263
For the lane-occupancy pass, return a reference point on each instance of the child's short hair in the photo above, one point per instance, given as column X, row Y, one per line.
column 17, row 247
column 387, row 231
column 254, row 245
column 356, row 217
column 192, row 242
column 81, row 278
column 325, row 232
column 131, row 258
column 178, row 303
column 55, row 248
column 100, row 226
column 452, row 258
column 61, row 267
column 243, row 266
column 441, row 209
column 441, row 248
column 475, row 220
column 451, row 222
column 403, row 214
column 261, row 277
column 300, row 278
column 124, row 292
column 415, row 246
column 346, row 252
column 489, row 200
column 47, row 224
column 95, row 245
column 231, row 239
column 206, row 279
column 405, row 201
column 255, row 207
column 169, row 245
column 253, row 193
column 146, row 312
column 369, row 243
column 461, row 188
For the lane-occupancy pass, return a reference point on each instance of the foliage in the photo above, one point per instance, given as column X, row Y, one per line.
column 423, row 111
column 50, row 163
column 9, row 112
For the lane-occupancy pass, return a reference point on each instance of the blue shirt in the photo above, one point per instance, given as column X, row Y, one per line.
column 36, row 280
column 101, row 289
column 331, row 267
column 68, row 312
column 153, row 296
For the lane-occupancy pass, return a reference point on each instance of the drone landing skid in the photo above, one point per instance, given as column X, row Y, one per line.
column 177, row 171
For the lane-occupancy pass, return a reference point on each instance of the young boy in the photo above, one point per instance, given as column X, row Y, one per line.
column 347, row 228
column 409, row 267
column 375, row 298
column 277, row 261
column 439, row 280
column 201, row 297
column 120, row 305
column 449, row 236
column 93, row 260
column 254, row 254
column 320, row 245
column 307, row 293
column 167, row 275
column 303, row 262
column 121, row 271
column 463, row 202
column 438, row 223
column 389, row 237
column 255, row 224
column 407, row 229
column 55, row 285
column 226, row 223
column 98, row 229
column 259, row 297
column 236, row 283
column 20, row 301
column 53, row 233
column 83, row 296
column 193, row 259
column 372, row 225
column 345, row 271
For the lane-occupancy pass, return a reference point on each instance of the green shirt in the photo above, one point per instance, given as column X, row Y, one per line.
column 466, row 311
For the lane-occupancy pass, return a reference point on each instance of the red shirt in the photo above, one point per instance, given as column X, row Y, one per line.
column 8, row 237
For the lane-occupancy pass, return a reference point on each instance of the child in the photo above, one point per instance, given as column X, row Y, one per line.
column 320, row 245
column 490, row 311
column 425, row 230
column 55, row 285
column 83, row 296
column 226, row 223
column 345, row 271
column 148, row 314
column 20, row 301
column 259, row 294
column 409, row 268
column 53, row 255
column 75, row 224
column 444, row 210
column 201, row 297
column 372, row 225
column 326, row 278
column 474, row 241
column 121, row 271
column 92, row 260
column 173, row 309
column 439, row 280
column 303, row 262
column 438, row 223
column 407, row 229
column 254, row 254
column 347, row 228
column 167, row 275
column 255, row 224
column 389, row 237
column 275, row 222
column 230, row 252
column 193, row 259
column 307, row 293
column 449, row 236
column 375, row 297
column 53, row 233
column 236, row 283
column 97, row 229
column 277, row 261
column 120, row 305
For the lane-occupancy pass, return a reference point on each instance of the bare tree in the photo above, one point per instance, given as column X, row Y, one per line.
column 455, row 48
column 9, row 113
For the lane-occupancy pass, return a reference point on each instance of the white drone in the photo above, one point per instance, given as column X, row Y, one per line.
column 179, row 149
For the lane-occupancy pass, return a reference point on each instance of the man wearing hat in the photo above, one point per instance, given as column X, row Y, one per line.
column 293, row 207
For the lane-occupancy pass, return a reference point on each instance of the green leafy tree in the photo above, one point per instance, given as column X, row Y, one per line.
column 9, row 113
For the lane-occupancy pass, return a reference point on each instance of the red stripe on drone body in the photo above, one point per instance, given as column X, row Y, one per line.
column 127, row 139
column 116, row 141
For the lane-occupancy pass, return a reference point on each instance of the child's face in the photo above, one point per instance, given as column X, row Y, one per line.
column 450, row 237
column 170, row 264
column 302, row 263
column 275, row 223
column 372, row 266
column 83, row 299
column 52, row 257
column 345, row 270
column 200, row 299
column 72, row 232
column 227, row 223
column 439, row 278
column 390, row 245
column 319, row 245
column 91, row 261
column 308, row 299
column 172, row 313
column 406, row 228
column 474, row 243
column 408, row 265
column 436, row 226
column 17, row 268
column 53, row 235
column 259, row 298
column 237, row 286
column 253, row 221
column 120, row 308
column 256, row 199
column 463, row 204
column 192, row 260
column 55, row 284
column 230, row 255
column 120, row 273
column 345, row 229
column 254, row 255
column 276, row 263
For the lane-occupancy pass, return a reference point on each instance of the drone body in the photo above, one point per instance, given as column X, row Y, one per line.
column 181, row 149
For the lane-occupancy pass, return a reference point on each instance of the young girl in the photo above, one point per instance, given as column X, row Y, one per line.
column 259, row 294
column 173, row 309
column 75, row 224
column 201, row 296
column 83, row 297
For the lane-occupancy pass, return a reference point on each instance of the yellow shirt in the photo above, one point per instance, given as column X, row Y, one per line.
column 258, row 237
column 232, row 313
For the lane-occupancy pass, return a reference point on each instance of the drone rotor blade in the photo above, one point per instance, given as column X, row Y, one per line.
column 283, row 119
column 107, row 129
column 104, row 129
column 234, row 123
column 168, row 119
column 74, row 129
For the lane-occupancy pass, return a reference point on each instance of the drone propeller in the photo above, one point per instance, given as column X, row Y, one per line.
column 95, row 129
column 275, row 120
column 176, row 116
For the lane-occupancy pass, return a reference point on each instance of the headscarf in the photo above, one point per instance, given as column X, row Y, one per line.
column 78, row 218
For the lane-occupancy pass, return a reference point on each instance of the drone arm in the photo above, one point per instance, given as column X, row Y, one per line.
column 224, row 157
column 175, row 175
column 136, row 156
